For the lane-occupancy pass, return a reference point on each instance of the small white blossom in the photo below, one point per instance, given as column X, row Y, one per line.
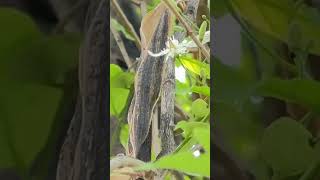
column 174, row 47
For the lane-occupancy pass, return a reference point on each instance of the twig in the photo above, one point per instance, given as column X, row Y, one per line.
column 127, row 23
column 311, row 171
column 188, row 28
column 121, row 46
column 70, row 14
column 143, row 7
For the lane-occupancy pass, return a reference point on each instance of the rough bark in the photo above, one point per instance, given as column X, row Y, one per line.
column 86, row 156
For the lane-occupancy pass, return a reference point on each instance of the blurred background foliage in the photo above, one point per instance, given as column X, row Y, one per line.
column 266, row 104
column 37, row 92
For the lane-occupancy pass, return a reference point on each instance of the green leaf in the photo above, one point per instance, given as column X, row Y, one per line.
column 124, row 136
column 16, row 30
column 204, row 90
column 273, row 17
column 195, row 66
column 305, row 92
column 200, row 165
column 203, row 137
column 114, row 71
column 285, row 147
column 120, row 79
column 202, row 30
column 182, row 88
column 199, row 108
column 188, row 127
column 30, row 57
column 118, row 100
column 186, row 146
column 27, row 114
column 30, row 64
column 117, row 26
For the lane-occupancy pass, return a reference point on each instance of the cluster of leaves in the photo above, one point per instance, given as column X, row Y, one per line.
column 33, row 68
column 195, row 130
column 192, row 95
column 285, row 149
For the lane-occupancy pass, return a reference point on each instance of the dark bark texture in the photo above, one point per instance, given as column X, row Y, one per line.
column 147, row 88
column 84, row 153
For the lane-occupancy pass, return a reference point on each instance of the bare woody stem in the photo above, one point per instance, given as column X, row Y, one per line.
column 121, row 46
column 188, row 28
column 127, row 23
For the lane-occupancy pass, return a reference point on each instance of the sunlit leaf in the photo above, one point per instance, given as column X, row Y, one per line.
column 199, row 108
column 204, row 90
column 118, row 100
column 188, row 127
column 200, row 165
column 124, row 136
column 195, row 66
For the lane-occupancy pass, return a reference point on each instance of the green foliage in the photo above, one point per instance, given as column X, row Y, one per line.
column 124, row 136
column 120, row 84
column 195, row 66
column 118, row 27
column 204, row 90
column 200, row 133
column 195, row 127
column 33, row 69
column 305, row 92
column 199, row 108
column 200, row 165
column 287, row 153
column 285, row 149
column 274, row 18
column 202, row 30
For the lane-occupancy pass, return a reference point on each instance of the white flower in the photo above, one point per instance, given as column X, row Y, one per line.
column 174, row 48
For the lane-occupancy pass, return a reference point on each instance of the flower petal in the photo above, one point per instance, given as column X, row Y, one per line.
column 161, row 53
column 206, row 37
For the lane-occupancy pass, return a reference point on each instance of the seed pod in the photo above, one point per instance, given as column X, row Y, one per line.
column 202, row 30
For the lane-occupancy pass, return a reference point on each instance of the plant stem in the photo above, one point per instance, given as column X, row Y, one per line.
column 310, row 172
column 121, row 46
column 127, row 23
